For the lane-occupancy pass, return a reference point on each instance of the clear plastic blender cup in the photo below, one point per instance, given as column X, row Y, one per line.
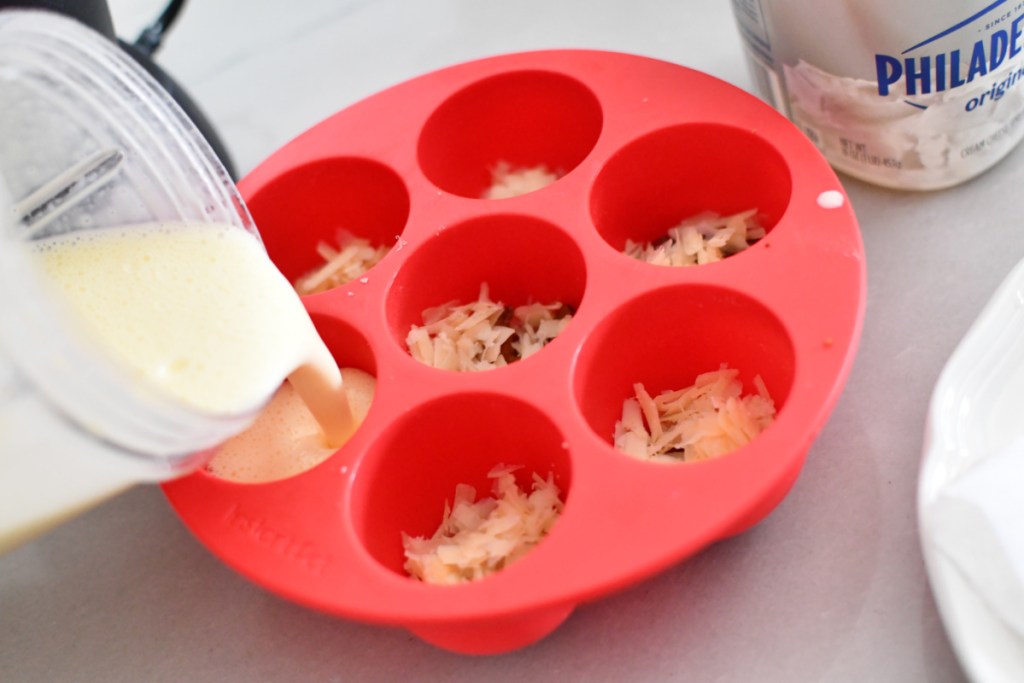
column 87, row 141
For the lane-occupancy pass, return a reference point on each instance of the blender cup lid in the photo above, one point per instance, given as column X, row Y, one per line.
column 88, row 139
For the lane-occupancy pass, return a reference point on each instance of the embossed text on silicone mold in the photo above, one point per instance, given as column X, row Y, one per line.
column 257, row 529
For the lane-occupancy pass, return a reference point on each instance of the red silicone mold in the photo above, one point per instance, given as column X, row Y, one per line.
column 643, row 144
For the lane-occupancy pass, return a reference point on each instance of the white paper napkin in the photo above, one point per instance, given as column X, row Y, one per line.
column 977, row 521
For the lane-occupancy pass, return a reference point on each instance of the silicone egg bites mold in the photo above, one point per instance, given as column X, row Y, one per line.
column 639, row 145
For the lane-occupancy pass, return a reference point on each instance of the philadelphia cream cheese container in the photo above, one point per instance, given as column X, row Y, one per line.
column 908, row 94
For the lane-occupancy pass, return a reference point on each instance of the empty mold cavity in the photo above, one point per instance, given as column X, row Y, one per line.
column 521, row 259
column 409, row 473
column 327, row 201
column 665, row 177
column 523, row 118
column 666, row 338
column 285, row 440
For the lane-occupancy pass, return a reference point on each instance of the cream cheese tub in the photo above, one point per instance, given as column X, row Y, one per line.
column 911, row 95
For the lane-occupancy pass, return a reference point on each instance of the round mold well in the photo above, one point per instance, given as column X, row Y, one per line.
column 521, row 259
column 328, row 200
column 411, row 471
column 350, row 349
column 524, row 118
column 656, row 181
column 666, row 338
column 347, row 345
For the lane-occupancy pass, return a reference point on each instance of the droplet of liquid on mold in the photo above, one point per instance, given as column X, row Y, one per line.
column 831, row 199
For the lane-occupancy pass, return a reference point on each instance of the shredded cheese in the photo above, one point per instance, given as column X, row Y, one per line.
column 706, row 420
column 536, row 325
column 351, row 260
column 704, row 238
column 479, row 537
column 483, row 334
column 508, row 181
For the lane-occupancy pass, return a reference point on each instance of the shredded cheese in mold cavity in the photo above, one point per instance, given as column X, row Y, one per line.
column 479, row 537
column 706, row 420
column 484, row 334
column 508, row 181
column 700, row 239
column 351, row 260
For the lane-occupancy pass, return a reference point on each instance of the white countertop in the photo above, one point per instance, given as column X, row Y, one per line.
column 830, row 587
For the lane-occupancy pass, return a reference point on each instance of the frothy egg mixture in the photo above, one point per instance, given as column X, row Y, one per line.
column 201, row 312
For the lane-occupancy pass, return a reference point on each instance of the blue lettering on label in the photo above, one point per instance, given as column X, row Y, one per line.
column 923, row 74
